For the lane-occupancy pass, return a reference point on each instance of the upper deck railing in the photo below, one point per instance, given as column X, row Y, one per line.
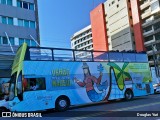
column 60, row 54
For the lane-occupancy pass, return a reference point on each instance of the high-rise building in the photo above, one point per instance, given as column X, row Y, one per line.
column 150, row 14
column 18, row 24
column 82, row 40
column 116, row 22
column 127, row 25
column 119, row 25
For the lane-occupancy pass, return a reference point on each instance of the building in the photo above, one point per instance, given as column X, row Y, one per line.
column 119, row 25
column 150, row 14
column 119, row 31
column 82, row 40
column 127, row 25
column 18, row 24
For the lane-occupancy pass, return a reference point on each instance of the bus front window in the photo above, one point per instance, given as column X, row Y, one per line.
column 12, row 87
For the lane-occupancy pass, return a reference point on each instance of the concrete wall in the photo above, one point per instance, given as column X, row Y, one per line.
column 119, row 25
column 99, row 34
column 20, row 13
column 137, row 25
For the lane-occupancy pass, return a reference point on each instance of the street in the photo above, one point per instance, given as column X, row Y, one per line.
column 143, row 107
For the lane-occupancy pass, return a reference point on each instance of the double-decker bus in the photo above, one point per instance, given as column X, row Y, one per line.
column 45, row 78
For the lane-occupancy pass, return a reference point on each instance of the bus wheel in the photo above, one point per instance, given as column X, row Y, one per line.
column 3, row 109
column 128, row 95
column 62, row 104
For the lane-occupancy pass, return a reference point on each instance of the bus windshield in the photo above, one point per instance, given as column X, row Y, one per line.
column 12, row 87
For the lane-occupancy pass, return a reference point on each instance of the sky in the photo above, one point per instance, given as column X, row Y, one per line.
column 60, row 19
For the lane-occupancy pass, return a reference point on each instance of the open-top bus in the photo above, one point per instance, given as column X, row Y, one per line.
column 44, row 78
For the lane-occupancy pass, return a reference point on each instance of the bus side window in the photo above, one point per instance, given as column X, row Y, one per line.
column 40, row 82
column 35, row 84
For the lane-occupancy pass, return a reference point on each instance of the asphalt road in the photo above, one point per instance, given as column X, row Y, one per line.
column 146, row 107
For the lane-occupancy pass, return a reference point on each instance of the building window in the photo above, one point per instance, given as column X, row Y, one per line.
column 10, row 21
column 154, row 6
column 26, row 23
column 6, row 2
column 11, row 39
column 6, row 20
column 33, row 43
column 28, row 41
column 20, row 22
column 21, row 41
column 4, row 41
column 9, row 2
column 113, row 2
column 25, row 5
column 149, row 48
column 148, row 29
column 19, row 4
column 149, row 38
column 31, row 6
column 117, row 6
column 32, row 24
column 157, row 26
column 157, row 36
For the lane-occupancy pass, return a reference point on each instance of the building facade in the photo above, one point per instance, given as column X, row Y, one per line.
column 127, row 25
column 82, row 40
column 119, row 25
column 150, row 14
column 18, row 24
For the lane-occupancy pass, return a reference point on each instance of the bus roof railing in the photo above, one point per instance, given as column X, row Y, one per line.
column 63, row 54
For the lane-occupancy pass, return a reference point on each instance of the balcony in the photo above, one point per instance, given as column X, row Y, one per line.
column 151, row 21
column 148, row 32
column 147, row 13
column 149, row 42
column 145, row 4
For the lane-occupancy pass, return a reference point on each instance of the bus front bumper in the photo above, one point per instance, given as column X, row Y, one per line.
column 4, row 104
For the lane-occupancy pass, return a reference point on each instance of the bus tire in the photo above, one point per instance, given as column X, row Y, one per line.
column 128, row 95
column 62, row 104
column 3, row 109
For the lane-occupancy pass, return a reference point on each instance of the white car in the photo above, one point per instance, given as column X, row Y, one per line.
column 156, row 88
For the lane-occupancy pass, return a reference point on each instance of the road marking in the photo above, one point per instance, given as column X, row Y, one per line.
column 111, row 111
